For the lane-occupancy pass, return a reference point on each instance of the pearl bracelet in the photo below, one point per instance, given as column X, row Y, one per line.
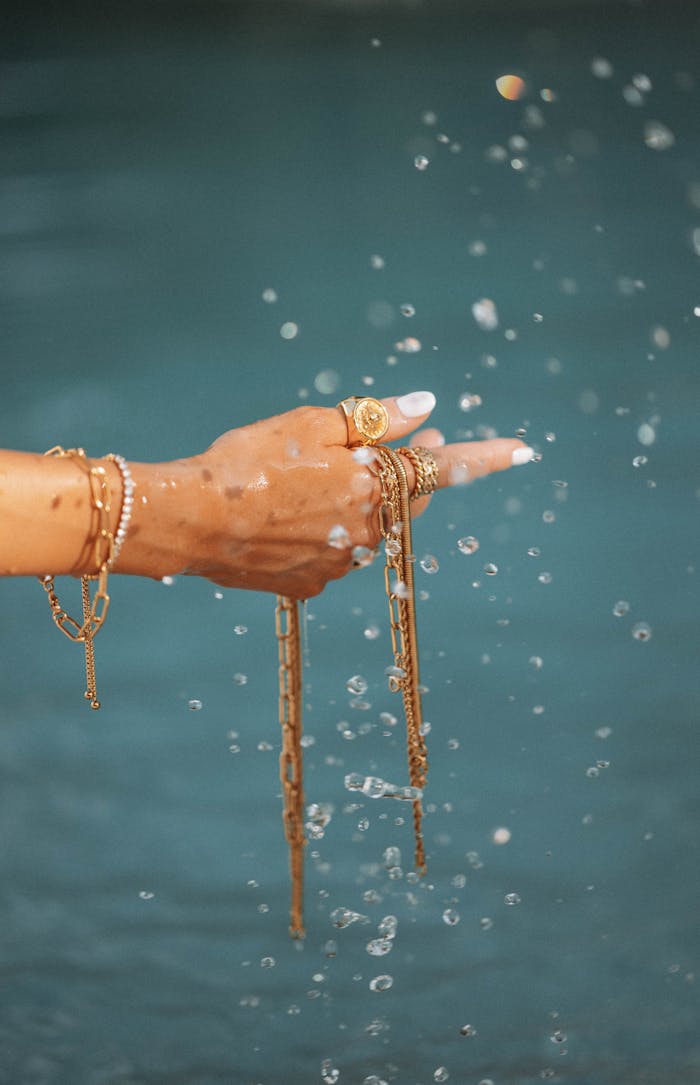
column 127, row 504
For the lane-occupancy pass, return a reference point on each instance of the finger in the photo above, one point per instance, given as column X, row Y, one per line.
column 460, row 463
column 427, row 438
column 406, row 413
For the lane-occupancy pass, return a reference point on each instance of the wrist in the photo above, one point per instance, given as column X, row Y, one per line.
column 162, row 533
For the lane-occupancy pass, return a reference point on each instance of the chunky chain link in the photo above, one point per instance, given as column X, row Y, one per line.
column 102, row 549
column 395, row 527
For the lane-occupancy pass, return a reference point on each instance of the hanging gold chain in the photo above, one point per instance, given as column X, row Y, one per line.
column 395, row 527
column 95, row 609
column 291, row 763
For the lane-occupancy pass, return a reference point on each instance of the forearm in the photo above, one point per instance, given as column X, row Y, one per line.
column 47, row 517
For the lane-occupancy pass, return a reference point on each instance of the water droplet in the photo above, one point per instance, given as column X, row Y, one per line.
column 660, row 337
column 646, row 434
column 392, row 857
column 381, row 983
column 329, row 1073
column 289, row 330
column 621, row 608
column 485, row 314
column 550, row 437
column 467, row 1030
column 379, row 947
column 146, row 894
column 558, row 1037
column 639, row 461
column 501, row 835
column 409, row 345
column 632, row 95
column 388, row 925
column 548, row 516
column 512, row 898
column 407, row 309
column 537, row 662
column 240, row 630
column 468, row 544
column 658, row 136
column 345, row 917
column 477, row 248
column 592, row 772
column 377, row 262
column 451, row 917
column 194, row 705
column 510, row 87
column 168, row 581
column 602, row 68
column 441, row 1074
column 269, row 295
column 372, row 631
column 338, row 537
column 327, row 381
column 641, row 631
column 267, row 962
column 453, row 743
column 490, row 568
column 468, row 401
column 421, row 162
column 240, row 679
column 429, row 563
column 545, row 578
column 357, row 684
column 486, row 923
column 534, row 551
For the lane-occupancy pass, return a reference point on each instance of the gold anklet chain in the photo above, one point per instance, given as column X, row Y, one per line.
column 395, row 527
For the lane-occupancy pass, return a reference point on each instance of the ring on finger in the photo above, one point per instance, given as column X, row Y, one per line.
column 367, row 419
column 426, row 470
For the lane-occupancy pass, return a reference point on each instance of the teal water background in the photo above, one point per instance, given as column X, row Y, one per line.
column 160, row 167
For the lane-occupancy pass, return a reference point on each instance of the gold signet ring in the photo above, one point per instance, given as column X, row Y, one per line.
column 367, row 419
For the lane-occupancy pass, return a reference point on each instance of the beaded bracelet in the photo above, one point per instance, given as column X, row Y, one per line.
column 127, row 504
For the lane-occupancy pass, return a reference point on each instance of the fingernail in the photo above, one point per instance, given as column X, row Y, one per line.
column 416, row 404
column 522, row 455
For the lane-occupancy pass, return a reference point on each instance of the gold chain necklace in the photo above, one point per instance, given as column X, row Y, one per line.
column 395, row 527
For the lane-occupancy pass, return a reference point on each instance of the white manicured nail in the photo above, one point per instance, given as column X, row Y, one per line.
column 522, row 455
column 416, row 404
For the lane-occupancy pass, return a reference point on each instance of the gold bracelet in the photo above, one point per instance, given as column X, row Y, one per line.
column 395, row 527
column 95, row 609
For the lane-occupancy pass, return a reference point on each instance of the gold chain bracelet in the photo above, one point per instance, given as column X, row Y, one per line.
column 95, row 609
column 395, row 527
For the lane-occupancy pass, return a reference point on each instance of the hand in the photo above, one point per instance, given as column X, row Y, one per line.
column 274, row 490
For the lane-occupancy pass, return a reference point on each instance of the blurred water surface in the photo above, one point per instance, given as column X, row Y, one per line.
column 162, row 167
